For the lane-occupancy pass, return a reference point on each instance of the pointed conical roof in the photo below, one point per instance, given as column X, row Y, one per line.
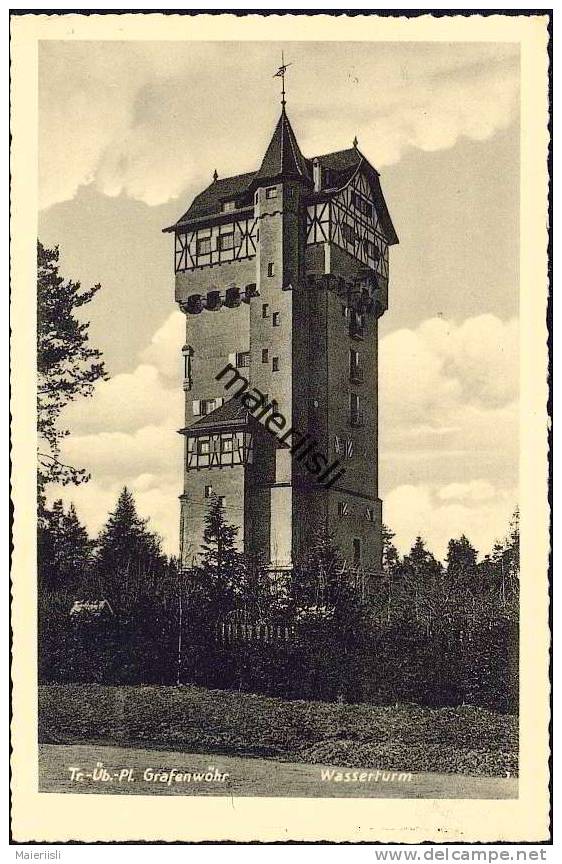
column 283, row 158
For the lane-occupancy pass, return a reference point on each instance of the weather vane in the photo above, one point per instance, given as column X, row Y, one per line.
column 281, row 74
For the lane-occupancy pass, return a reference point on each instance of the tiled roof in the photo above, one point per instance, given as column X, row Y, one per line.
column 208, row 202
column 230, row 413
column 341, row 160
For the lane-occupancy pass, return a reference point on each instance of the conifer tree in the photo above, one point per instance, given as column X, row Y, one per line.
column 390, row 567
column 420, row 578
column 65, row 552
column 67, row 365
column 221, row 566
column 129, row 556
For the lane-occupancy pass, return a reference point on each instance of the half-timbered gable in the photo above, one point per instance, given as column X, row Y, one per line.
column 352, row 219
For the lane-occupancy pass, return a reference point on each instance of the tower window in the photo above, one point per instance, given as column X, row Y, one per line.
column 226, row 241
column 265, row 310
column 355, row 370
column 357, row 325
column 343, row 509
column 361, row 204
column 271, row 269
column 208, row 491
column 221, row 500
column 276, row 319
column 355, row 412
column 370, row 249
column 201, row 407
column 348, row 233
column 370, row 514
column 265, row 355
column 356, row 550
column 275, row 364
column 203, row 245
column 271, row 192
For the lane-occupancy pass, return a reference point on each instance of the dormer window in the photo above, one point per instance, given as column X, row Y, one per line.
column 228, row 206
column 271, row 192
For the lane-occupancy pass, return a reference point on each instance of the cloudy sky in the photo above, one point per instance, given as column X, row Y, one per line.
column 130, row 132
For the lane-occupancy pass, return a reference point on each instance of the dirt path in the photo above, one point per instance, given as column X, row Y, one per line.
column 134, row 771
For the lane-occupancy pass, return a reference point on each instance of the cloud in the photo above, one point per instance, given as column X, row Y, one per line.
column 476, row 490
column 152, row 120
column 440, row 514
column 128, row 401
column 449, row 430
column 457, row 382
column 164, row 351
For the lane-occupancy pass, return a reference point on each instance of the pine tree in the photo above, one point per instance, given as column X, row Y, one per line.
column 221, row 565
column 420, row 581
column 65, row 552
column 129, row 556
column 462, row 569
column 390, row 566
column 464, row 584
column 390, row 556
column 67, row 366
column 73, row 553
column 505, row 558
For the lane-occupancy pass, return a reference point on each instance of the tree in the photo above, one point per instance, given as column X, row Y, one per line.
column 390, row 556
column 390, row 566
column 221, row 565
column 129, row 556
column 503, row 569
column 461, row 563
column 464, row 584
column 317, row 581
column 420, row 578
column 65, row 551
column 67, row 365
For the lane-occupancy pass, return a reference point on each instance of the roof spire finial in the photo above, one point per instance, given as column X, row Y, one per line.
column 281, row 74
column 215, row 175
column 355, row 142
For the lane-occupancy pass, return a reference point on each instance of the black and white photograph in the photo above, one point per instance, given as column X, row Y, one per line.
column 279, row 398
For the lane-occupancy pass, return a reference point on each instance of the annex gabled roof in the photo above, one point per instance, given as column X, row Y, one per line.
column 283, row 158
column 229, row 415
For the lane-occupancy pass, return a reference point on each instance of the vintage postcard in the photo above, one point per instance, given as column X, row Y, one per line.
column 280, row 432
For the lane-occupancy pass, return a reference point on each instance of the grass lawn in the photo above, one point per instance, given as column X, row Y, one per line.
column 463, row 740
